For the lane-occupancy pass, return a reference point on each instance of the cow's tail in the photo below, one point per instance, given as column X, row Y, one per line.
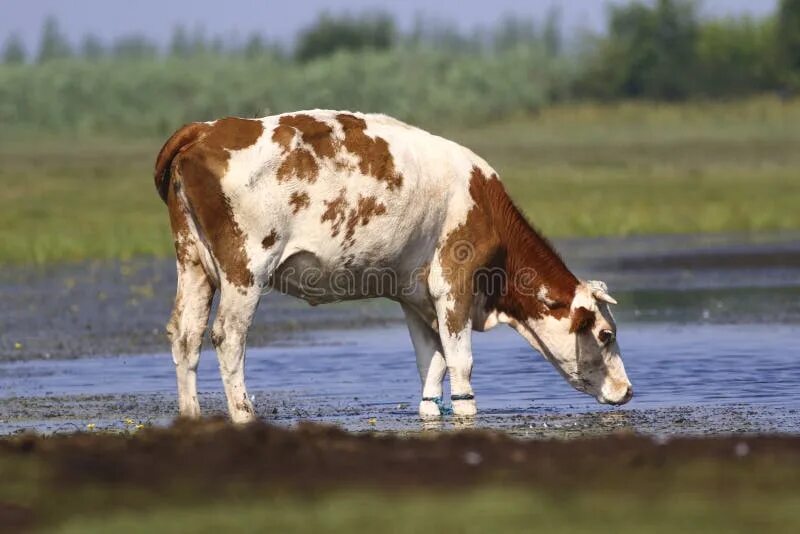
column 179, row 141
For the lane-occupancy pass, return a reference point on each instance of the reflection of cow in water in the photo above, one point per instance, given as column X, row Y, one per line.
column 329, row 206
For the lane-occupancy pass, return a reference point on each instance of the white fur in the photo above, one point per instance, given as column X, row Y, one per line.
column 543, row 294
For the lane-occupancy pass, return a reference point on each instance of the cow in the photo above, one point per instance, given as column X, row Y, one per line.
column 300, row 202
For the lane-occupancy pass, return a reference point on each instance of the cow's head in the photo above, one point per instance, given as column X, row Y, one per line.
column 580, row 341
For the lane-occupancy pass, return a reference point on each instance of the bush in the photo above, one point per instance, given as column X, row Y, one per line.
column 787, row 36
column 332, row 34
column 435, row 73
column 736, row 57
column 649, row 52
column 155, row 96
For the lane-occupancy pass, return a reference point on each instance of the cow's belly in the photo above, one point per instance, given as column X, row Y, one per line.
column 307, row 276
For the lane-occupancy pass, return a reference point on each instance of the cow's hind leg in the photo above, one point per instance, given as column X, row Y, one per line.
column 189, row 319
column 229, row 334
column 187, row 326
column 430, row 362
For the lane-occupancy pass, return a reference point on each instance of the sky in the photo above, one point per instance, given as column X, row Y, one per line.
column 280, row 20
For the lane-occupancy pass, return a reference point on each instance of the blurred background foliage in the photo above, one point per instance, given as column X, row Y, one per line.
column 431, row 74
column 666, row 122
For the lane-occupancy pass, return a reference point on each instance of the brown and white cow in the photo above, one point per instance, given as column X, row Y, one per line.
column 329, row 206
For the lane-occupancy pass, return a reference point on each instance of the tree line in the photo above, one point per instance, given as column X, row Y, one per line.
column 662, row 50
column 326, row 36
column 666, row 51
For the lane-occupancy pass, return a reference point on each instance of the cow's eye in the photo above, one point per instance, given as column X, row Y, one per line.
column 606, row 337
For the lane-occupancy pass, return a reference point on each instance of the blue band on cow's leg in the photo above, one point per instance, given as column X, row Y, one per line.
column 465, row 396
column 438, row 402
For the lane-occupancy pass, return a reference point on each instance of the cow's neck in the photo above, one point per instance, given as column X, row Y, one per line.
column 535, row 273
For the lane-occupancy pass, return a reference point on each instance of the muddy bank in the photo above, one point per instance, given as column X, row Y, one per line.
column 316, row 478
column 108, row 308
column 123, row 413
column 312, row 456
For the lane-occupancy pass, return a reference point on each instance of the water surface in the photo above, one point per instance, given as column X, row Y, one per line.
column 709, row 328
column 365, row 379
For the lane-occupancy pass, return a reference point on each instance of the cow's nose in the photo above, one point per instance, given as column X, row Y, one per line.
column 628, row 395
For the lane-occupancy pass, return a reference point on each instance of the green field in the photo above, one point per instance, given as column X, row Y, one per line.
column 463, row 512
column 580, row 170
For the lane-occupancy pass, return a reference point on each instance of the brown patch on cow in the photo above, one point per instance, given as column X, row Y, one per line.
column 299, row 200
column 374, row 157
column 338, row 214
column 283, row 135
column 179, row 224
column 233, row 133
column 335, row 212
column 366, row 208
column 270, row 240
column 201, row 168
column 373, row 154
column 582, row 319
column 527, row 253
column 313, row 132
column 472, row 245
column 496, row 238
column 300, row 164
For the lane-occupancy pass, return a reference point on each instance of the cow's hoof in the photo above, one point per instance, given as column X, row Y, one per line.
column 190, row 410
column 429, row 409
column 243, row 413
column 465, row 408
column 242, row 418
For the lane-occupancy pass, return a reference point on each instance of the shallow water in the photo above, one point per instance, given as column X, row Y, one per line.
column 351, row 377
column 709, row 328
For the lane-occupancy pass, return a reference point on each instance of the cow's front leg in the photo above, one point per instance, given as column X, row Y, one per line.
column 455, row 332
column 430, row 363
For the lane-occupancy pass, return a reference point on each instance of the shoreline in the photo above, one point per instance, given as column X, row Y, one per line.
column 108, row 308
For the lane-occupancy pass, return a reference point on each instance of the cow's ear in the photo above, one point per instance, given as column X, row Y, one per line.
column 582, row 319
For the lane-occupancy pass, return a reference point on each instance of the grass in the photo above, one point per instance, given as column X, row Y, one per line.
column 578, row 170
column 646, row 168
column 695, row 498
column 462, row 511
column 695, row 503
column 64, row 201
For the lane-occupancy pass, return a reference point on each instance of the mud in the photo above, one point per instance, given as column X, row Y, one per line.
column 314, row 456
column 127, row 413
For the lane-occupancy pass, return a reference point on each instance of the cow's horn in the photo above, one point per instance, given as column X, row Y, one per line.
column 600, row 291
